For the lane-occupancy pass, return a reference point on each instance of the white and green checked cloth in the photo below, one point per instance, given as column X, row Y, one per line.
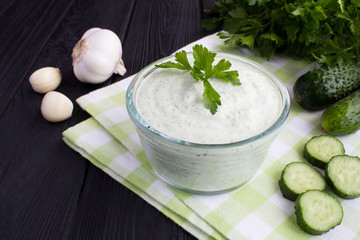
column 255, row 211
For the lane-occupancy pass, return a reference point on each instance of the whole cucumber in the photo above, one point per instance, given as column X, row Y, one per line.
column 321, row 87
column 343, row 117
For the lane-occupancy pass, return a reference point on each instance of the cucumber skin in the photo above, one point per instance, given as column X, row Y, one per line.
column 300, row 218
column 307, row 95
column 313, row 161
column 321, row 87
column 285, row 191
column 343, row 117
column 334, row 188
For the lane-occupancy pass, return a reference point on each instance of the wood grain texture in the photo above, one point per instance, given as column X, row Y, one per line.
column 47, row 190
column 23, row 38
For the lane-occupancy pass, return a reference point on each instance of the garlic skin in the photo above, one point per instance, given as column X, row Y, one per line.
column 97, row 56
column 45, row 79
column 56, row 107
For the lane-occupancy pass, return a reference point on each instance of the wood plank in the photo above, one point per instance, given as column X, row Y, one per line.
column 23, row 35
column 48, row 191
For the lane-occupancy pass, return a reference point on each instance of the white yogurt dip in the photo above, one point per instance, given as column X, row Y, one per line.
column 217, row 153
column 170, row 101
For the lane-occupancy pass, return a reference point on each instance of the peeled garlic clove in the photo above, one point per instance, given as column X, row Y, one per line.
column 56, row 107
column 97, row 56
column 45, row 79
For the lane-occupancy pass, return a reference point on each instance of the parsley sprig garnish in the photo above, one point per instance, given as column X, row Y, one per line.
column 203, row 70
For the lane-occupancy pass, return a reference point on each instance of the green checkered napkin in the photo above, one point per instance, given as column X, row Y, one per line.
column 255, row 211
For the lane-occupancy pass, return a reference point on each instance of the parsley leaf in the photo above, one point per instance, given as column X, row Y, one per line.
column 203, row 60
column 182, row 62
column 181, row 58
column 203, row 70
column 327, row 31
column 230, row 76
column 211, row 97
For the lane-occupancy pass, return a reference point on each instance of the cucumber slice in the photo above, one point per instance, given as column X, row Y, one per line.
column 343, row 176
column 317, row 212
column 298, row 177
column 320, row 149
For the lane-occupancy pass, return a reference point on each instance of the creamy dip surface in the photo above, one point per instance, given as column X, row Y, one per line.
column 171, row 102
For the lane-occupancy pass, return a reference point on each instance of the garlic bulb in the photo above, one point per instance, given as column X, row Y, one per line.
column 45, row 79
column 97, row 56
column 56, row 107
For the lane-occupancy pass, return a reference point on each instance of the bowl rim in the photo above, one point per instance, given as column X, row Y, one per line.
column 140, row 122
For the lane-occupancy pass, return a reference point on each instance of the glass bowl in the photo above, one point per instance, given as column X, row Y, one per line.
column 205, row 168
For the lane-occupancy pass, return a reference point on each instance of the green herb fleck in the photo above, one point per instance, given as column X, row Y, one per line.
column 203, row 70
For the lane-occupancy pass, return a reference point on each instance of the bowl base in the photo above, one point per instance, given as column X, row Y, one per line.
column 200, row 192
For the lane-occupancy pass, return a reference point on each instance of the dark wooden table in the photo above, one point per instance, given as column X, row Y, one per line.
column 47, row 190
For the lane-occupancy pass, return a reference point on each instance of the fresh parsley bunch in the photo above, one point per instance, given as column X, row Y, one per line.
column 203, row 70
column 327, row 31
